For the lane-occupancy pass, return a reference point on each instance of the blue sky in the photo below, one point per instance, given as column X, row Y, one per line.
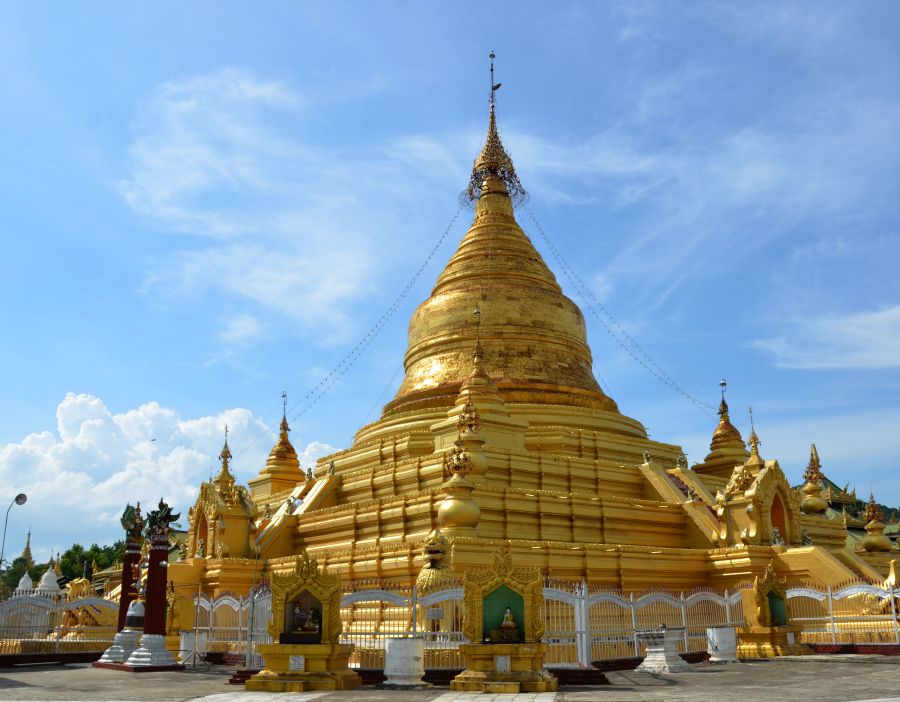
column 207, row 203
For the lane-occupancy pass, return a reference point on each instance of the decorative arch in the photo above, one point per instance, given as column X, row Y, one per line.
column 776, row 505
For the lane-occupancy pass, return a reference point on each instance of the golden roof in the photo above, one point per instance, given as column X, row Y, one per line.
column 726, row 434
column 533, row 337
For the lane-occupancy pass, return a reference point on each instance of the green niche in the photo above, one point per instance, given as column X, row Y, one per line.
column 494, row 610
column 778, row 609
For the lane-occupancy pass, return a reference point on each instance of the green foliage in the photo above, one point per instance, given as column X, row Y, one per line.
column 11, row 577
column 72, row 561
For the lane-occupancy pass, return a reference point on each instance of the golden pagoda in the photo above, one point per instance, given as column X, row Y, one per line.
column 500, row 435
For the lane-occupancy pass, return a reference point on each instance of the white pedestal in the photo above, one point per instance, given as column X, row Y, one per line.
column 662, row 651
column 721, row 644
column 152, row 652
column 404, row 664
column 123, row 645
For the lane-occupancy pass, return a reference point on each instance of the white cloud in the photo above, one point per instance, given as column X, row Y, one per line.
column 279, row 218
column 240, row 329
column 79, row 477
column 859, row 340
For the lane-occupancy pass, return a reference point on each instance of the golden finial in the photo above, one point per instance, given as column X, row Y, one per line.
column 493, row 162
column 753, row 442
column 813, row 473
column 225, row 457
column 726, row 433
column 873, row 512
column 284, row 423
column 226, row 452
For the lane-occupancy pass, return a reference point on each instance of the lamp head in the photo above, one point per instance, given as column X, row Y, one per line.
column 21, row 498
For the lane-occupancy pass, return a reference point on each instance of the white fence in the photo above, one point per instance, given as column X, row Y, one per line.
column 228, row 624
column 582, row 624
column 31, row 624
column 858, row 613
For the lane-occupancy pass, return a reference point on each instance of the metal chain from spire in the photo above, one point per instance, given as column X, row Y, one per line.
column 316, row 393
column 621, row 337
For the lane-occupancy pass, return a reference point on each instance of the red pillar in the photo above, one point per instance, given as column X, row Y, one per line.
column 155, row 594
column 132, row 556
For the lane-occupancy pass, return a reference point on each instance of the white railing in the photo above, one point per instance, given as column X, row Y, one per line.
column 858, row 613
column 229, row 625
column 581, row 624
column 34, row 624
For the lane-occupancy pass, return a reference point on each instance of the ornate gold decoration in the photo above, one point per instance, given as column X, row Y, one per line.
column 220, row 499
column 873, row 512
column 526, row 581
column 762, row 586
column 740, row 480
column 493, row 162
column 813, row 472
column 459, row 462
column 325, row 587
column 814, row 501
column 437, row 569
column 469, row 420
column 753, row 442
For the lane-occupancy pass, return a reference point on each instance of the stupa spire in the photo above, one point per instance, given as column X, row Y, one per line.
column 26, row 552
column 283, row 456
column 726, row 433
column 753, row 442
column 225, row 459
column 493, row 169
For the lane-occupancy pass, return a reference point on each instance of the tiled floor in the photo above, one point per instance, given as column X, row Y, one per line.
column 482, row 697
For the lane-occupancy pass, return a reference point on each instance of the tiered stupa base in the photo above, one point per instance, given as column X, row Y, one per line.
column 124, row 644
column 150, row 657
column 504, row 668
column 303, row 667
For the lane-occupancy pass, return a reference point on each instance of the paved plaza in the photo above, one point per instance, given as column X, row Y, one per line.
column 820, row 678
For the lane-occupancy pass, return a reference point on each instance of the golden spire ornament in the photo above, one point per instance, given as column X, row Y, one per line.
column 726, row 433
column 493, row 162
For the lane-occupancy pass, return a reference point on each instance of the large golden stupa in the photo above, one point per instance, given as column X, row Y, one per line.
column 500, row 434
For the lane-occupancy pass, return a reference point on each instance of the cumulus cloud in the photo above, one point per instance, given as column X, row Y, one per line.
column 79, row 477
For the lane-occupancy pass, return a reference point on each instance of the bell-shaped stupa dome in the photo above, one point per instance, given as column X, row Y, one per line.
column 48, row 586
column 497, row 289
column 25, row 587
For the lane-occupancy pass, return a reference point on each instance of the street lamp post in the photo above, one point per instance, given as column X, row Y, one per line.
column 19, row 499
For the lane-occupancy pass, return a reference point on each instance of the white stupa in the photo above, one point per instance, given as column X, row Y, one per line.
column 25, row 587
column 48, row 587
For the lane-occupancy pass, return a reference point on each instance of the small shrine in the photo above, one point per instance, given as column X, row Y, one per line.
column 504, row 619
column 768, row 632
column 305, row 627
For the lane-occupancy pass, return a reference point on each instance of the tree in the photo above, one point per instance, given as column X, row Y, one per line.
column 77, row 560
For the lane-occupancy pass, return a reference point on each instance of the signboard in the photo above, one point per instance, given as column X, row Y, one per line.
column 501, row 664
column 297, row 664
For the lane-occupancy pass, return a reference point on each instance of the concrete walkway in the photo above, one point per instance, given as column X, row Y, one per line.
column 819, row 678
